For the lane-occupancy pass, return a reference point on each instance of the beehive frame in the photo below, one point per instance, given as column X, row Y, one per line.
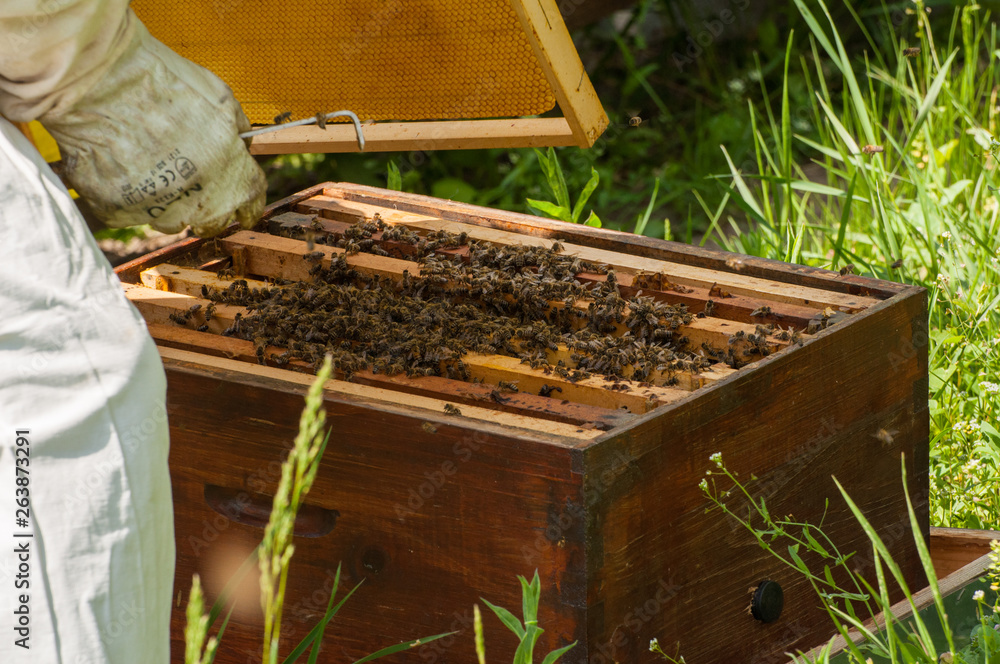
column 582, row 122
column 597, row 489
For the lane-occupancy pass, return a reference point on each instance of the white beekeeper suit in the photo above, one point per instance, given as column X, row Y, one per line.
column 86, row 521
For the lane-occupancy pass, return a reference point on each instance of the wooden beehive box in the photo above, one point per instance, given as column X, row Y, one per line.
column 595, row 486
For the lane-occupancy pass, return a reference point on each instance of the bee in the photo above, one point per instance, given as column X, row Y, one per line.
column 897, row 264
column 734, row 263
column 761, row 311
column 507, row 386
column 451, row 409
column 717, row 291
column 885, row 436
column 847, row 269
column 203, row 328
column 911, row 52
column 313, row 256
column 209, row 311
column 428, row 427
column 497, row 397
column 547, row 390
column 634, row 121
column 179, row 319
column 282, row 118
column 709, row 308
column 872, row 149
column 321, row 120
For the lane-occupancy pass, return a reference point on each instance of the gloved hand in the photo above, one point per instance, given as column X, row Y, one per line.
column 151, row 137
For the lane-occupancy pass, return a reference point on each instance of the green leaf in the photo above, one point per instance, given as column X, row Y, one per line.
column 523, row 654
column 588, row 189
column 550, row 209
column 554, row 176
column 395, row 180
column 556, row 654
column 813, row 544
column 931, row 99
column 593, row 220
column 530, row 596
column 316, row 633
column 640, row 224
column 507, row 618
column 400, row 647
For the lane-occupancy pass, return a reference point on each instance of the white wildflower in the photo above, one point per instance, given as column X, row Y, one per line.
column 990, row 388
column 978, row 596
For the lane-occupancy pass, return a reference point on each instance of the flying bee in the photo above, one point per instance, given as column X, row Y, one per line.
column 885, row 436
column 634, row 121
column 872, row 149
column 897, row 264
column 911, row 52
column 734, row 263
column 847, row 269
column 428, row 427
column 282, row 118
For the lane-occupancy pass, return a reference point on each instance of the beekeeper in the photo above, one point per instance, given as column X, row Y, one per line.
column 86, row 524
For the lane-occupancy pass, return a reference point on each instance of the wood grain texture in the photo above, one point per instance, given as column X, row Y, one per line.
column 793, row 422
column 430, row 521
column 417, row 136
column 435, row 512
column 455, row 391
column 954, row 548
column 602, row 238
column 692, row 276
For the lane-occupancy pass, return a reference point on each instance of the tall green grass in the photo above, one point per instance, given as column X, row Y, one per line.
column 902, row 183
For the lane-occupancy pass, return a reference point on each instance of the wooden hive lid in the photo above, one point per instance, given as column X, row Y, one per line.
column 432, row 74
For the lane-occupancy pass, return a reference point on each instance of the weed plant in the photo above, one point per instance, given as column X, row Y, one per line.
column 857, row 605
column 274, row 555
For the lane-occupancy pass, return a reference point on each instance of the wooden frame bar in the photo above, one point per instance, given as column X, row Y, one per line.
column 583, row 121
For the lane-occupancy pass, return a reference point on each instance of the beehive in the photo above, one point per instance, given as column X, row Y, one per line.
column 437, row 490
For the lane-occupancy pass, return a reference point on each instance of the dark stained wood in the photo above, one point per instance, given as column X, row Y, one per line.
column 435, row 512
column 793, row 422
column 430, row 521
column 954, row 548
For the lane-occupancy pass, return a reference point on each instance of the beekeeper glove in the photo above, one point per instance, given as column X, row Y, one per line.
column 146, row 136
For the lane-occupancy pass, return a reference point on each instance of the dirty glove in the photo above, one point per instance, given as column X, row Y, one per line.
column 147, row 136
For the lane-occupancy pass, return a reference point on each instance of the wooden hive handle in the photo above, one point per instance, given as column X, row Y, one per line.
column 255, row 510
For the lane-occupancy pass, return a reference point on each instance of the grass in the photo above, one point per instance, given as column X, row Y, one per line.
column 920, row 207
column 852, row 602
